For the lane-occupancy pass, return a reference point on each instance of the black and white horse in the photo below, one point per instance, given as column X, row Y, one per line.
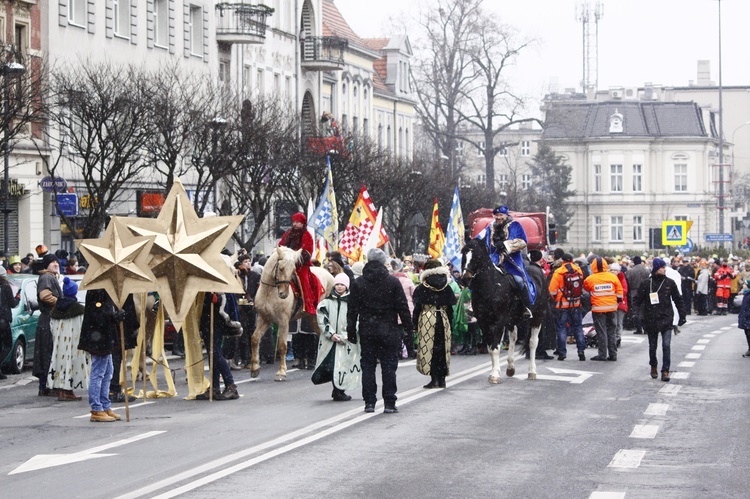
column 497, row 308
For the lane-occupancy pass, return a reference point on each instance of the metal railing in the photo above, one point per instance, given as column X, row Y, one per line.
column 242, row 19
column 324, row 49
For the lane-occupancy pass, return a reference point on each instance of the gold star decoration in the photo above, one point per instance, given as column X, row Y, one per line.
column 118, row 263
column 186, row 255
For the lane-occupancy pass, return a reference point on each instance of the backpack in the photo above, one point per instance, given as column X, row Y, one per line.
column 572, row 285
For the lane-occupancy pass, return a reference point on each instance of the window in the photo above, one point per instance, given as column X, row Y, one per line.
column 525, row 148
column 121, row 12
column 597, row 178
column 480, row 149
column 77, row 12
column 259, row 86
column 638, row 228
column 616, row 228
column 289, row 87
column 526, row 181
column 196, row 30
column 637, row 178
column 380, row 136
column 277, row 83
column 21, row 39
column 503, row 151
column 481, row 180
column 224, row 71
column 503, row 182
column 161, row 23
column 597, row 228
column 680, row 178
column 459, row 148
column 615, row 178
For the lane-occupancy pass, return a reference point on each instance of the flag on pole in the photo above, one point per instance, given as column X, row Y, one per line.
column 325, row 218
column 374, row 240
column 437, row 237
column 360, row 226
column 454, row 239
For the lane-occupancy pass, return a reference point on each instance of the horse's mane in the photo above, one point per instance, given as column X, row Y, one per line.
column 287, row 260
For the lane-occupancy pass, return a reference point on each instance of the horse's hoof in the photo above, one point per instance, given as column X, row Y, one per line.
column 510, row 372
column 254, row 373
column 494, row 380
column 532, row 376
column 280, row 377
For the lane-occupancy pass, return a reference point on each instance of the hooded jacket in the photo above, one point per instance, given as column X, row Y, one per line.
column 659, row 317
column 604, row 287
column 376, row 300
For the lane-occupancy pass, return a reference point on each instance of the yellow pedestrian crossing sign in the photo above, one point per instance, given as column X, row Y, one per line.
column 674, row 232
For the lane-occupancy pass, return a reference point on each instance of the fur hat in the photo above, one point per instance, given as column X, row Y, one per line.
column 49, row 258
column 70, row 288
column 432, row 264
column 299, row 217
column 657, row 264
column 357, row 268
column 376, row 255
column 341, row 278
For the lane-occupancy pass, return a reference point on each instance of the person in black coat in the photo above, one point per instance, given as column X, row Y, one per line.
column 743, row 320
column 656, row 295
column 433, row 316
column 376, row 300
column 100, row 337
column 7, row 302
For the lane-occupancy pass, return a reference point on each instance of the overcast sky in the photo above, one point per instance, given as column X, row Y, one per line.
column 658, row 41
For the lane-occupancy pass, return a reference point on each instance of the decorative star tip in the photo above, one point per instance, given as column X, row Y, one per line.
column 118, row 262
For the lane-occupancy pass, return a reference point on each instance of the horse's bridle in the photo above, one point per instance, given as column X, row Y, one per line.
column 277, row 283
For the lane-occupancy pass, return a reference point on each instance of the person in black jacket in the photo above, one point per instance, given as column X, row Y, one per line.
column 7, row 303
column 656, row 295
column 433, row 316
column 376, row 300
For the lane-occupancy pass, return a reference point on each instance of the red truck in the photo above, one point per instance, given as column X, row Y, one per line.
column 540, row 232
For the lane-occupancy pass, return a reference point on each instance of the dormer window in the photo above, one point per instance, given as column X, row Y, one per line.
column 615, row 123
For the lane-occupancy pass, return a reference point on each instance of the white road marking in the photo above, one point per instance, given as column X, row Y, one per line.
column 42, row 461
column 680, row 375
column 703, row 342
column 656, row 410
column 627, row 459
column 693, row 356
column 632, row 339
column 132, row 406
column 709, row 335
column 607, row 495
column 644, row 431
column 698, row 347
column 718, row 331
column 580, row 377
column 670, row 389
column 726, row 328
column 686, row 363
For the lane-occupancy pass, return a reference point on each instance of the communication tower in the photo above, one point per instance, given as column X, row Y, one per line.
column 589, row 14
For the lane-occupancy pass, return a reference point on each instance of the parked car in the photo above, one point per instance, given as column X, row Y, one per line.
column 25, row 318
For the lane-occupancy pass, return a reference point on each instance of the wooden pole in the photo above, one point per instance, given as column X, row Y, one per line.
column 123, row 385
column 211, row 352
column 144, row 300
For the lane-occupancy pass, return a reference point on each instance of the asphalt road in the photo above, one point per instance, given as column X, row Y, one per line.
column 600, row 430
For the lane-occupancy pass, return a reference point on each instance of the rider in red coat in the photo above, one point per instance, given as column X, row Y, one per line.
column 299, row 238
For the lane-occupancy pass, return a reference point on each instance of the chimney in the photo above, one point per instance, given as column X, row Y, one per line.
column 704, row 74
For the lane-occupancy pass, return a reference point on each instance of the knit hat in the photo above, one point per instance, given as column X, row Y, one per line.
column 49, row 258
column 70, row 288
column 432, row 263
column 341, row 278
column 299, row 217
column 376, row 255
column 357, row 268
column 535, row 255
column 657, row 264
column 41, row 250
column 637, row 260
column 615, row 267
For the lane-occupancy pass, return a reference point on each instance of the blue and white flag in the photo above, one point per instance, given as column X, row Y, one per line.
column 454, row 237
column 325, row 219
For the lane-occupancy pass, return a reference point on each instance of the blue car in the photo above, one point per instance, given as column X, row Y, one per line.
column 25, row 318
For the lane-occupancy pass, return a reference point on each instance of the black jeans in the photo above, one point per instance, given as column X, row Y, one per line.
column 385, row 346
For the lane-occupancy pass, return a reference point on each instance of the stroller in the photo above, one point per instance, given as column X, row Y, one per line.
column 589, row 332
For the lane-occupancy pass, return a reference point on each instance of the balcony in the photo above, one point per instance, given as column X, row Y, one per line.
column 242, row 23
column 323, row 53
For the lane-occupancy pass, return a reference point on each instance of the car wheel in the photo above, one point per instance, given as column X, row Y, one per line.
column 18, row 357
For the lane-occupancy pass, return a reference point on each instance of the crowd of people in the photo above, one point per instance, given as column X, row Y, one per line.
column 381, row 311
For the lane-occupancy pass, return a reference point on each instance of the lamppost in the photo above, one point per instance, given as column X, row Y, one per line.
column 9, row 69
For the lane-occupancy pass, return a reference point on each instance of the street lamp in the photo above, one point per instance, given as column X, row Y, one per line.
column 9, row 70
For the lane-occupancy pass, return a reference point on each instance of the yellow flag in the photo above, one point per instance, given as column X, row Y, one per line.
column 437, row 237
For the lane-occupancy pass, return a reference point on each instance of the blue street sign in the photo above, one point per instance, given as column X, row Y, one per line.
column 67, row 204
column 687, row 247
column 719, row 238
column 53, row 184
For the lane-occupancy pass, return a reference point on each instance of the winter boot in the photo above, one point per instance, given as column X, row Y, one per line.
column 441, row 381
column 101, row 417
column 230, row 392
column 113, row 414
column 433, row 383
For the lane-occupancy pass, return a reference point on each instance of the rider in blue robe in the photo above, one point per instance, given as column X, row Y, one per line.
column 506, row 238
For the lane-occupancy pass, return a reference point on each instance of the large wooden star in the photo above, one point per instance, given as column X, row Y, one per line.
column 118, row 263
column 186, row 255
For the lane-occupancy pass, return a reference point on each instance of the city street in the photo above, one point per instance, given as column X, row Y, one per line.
column 600, row 430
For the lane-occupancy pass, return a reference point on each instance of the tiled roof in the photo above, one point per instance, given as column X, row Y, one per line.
column 381, row 73
column 376, row 44
column 568, row 120
column 334, row 24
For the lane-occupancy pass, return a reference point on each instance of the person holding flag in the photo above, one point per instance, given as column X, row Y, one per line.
column 298, row 238
column 506, row 238
column 454, row 239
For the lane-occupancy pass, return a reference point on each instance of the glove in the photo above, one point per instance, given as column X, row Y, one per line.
column 119, row 315
column 682, row 321
column 352, row 337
